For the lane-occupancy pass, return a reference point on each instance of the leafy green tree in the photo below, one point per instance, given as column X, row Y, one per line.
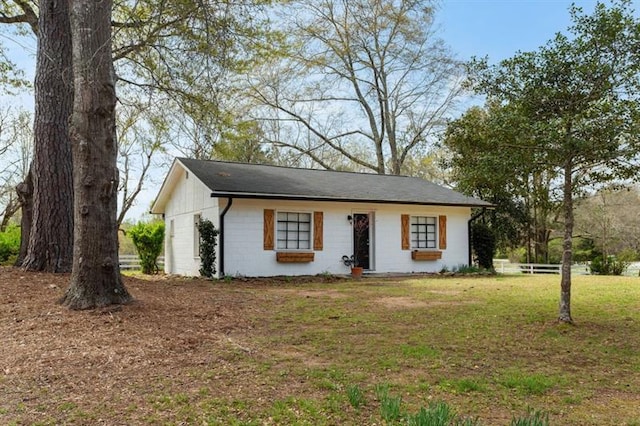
column 148, row 238
column 579, row 97
column 481, row 164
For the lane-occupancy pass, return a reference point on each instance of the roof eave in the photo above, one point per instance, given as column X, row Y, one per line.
column 168, row 184
column 264, row 196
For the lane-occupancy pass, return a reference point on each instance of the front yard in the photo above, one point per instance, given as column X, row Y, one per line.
column 324, row 352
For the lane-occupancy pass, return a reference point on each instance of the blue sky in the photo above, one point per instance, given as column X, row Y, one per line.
column 499, row 28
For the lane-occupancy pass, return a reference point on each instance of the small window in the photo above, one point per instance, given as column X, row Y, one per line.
column 294, row 230
column 196, row 235
column 423, row 232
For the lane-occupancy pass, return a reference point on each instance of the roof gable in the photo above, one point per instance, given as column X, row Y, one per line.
column 239, row 180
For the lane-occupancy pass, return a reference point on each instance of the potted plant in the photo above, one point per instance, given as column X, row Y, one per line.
column 360, row 228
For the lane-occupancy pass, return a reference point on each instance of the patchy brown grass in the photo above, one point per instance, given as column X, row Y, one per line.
column 283, row 351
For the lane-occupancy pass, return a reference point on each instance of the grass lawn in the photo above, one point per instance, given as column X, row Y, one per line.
column 328, row 352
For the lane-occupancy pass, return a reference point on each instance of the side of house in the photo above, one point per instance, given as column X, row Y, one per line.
column 189, row 201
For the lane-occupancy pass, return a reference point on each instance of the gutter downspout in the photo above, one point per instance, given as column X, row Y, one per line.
column 221, row 245
column 469, row 222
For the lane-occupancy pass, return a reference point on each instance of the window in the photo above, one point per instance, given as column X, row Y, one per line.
column 294, row 230
column 423, row 232
column 196, row 235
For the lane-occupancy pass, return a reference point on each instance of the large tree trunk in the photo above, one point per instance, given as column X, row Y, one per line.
column 95, row 278
column 567, row 246
column 51, row 237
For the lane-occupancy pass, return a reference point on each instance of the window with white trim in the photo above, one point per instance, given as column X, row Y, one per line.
column 294, row 230
column 423, row 232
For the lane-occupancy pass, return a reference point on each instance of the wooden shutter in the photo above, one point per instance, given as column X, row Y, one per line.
column 406, row 241
column 317, row 230
column 268, row 229
column 442, row 232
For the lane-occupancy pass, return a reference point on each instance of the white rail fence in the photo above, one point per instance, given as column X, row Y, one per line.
column 132, row 262
column 504, row 266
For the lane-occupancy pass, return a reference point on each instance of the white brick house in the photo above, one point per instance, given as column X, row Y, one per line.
column 285, row 221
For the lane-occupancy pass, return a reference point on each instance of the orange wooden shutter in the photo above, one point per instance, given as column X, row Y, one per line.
column 268, row 229
column 442, row 232
column 317, row 231
column 406, row 242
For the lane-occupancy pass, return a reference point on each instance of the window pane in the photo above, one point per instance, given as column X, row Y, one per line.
column 294, row 230
column 423, row 231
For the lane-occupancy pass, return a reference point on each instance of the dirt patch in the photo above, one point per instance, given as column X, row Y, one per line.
column 445, row 292
column 402, row 302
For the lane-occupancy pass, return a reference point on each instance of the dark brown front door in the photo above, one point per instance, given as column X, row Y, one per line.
column 361, row 239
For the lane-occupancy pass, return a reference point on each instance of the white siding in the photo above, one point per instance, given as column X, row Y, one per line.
column 245, row 256
column 189, row 197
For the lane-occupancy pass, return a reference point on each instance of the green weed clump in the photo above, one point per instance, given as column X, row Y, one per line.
column 528, row 384
column 438, row 414
column 464, row 385
column 355, row 395
column 390, row 408
column 533, row 418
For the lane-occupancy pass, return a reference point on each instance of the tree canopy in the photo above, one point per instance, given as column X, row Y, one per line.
column 364, row 84
column 578, row 98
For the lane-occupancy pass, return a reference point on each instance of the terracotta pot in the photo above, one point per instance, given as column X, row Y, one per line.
column 356, row 271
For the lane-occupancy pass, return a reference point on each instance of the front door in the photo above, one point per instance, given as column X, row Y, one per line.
column 361, row 239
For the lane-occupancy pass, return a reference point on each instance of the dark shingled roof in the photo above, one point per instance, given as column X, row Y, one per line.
column 240, row 180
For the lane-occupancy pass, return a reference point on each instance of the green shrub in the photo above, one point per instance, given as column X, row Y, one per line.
column 609, row 265
column 148, row 238
column 466, row 269
column 208, row 243
column 484, row 245
column 9, row 244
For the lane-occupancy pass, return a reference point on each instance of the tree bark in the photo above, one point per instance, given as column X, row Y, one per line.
column 567, row 246
column 95, row 278
column 50, row 241
column 25, row 195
